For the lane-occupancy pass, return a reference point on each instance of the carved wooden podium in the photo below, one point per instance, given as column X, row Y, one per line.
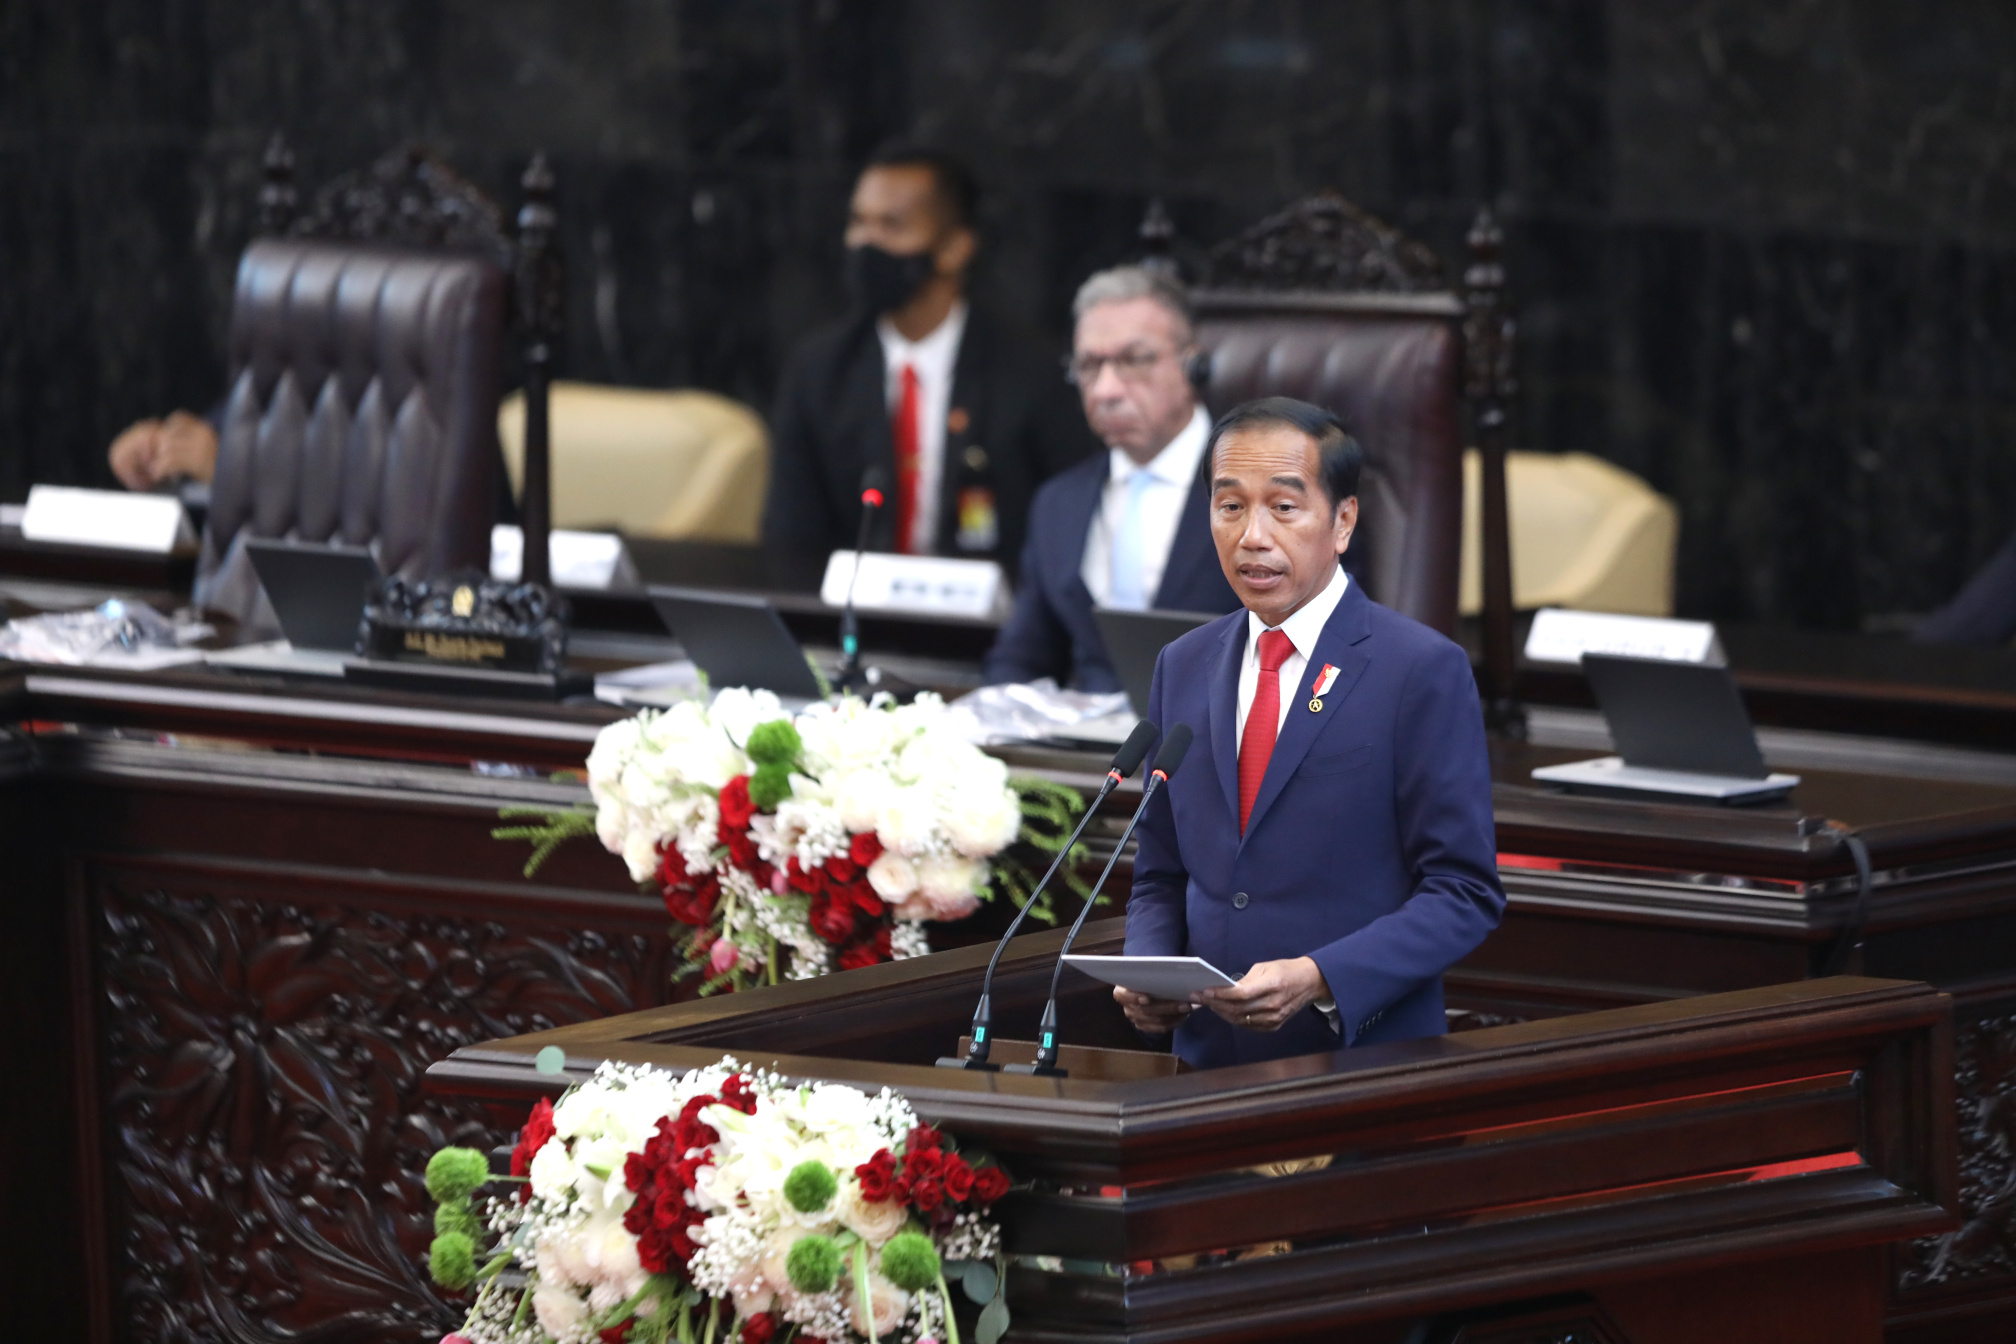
column 1722, row 1168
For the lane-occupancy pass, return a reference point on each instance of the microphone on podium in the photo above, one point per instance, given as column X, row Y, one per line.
column 1174, row 748
column 1125, row 762
column 874, row 489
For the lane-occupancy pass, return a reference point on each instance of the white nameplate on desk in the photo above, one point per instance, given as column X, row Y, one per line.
column 578, row 559
column 918, row 585
column 116, row 518
column 1561, row 636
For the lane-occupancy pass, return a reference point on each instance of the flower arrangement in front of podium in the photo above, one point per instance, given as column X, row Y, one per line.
column 790, row 846
column 722, row 1206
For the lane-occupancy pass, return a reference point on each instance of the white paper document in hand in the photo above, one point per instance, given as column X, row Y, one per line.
column 1157, row 977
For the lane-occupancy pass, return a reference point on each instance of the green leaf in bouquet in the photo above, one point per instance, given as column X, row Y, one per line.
column 551, row 827
column 979, row 1280
column 993, row 1323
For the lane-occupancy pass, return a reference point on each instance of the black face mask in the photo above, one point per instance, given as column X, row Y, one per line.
column 885, row 281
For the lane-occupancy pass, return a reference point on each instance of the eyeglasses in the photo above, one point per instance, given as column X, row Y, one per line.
column 1132, row 365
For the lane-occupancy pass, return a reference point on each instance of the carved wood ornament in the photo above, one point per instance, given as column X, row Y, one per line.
column 1325, row 243
column 262, row 1063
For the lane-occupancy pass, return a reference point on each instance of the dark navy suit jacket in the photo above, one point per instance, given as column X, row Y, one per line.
column 1370, row 847
column 1051, row 632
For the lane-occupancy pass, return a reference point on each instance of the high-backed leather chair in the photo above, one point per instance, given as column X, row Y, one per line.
column 366, row 359
column 362, row 411
column 1325, row 304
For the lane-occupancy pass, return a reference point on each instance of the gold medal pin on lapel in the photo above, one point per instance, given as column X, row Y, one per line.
column 1324, row 679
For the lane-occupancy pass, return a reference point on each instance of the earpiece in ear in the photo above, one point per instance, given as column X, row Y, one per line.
column 1198, row 368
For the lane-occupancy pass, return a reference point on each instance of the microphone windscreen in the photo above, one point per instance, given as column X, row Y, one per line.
column 1174, row 748
column 1135, row 749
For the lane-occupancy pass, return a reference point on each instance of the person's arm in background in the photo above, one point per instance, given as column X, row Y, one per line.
column 150, row 452
column 797, row 515
column 1032, row 642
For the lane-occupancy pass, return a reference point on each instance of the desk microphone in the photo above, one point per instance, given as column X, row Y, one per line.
column 1125, row 762
column 1174, row 747
column 874, row 486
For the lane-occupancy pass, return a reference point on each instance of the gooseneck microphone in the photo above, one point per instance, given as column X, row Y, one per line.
column 874, row 487
column 1174, row 748
column 1125, row 762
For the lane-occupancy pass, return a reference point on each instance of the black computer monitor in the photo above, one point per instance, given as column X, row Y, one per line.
column 318, row 592
column 737, row 640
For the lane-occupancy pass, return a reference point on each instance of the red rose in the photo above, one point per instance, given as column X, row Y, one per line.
column 831, row 919
column 736, row 808
column 865, row 848
column 742, row 852
column 857, row 955
column 812, row 882
column 989, row 1184
column 538, row 1129
column 927, row 1162
column 693, row 905
column 877, row 1176
column 958, row 1177
column 923, row 1138
column 882, row 942
column 671, row 867
column 614, row 1334
column 759, row 1329
column 863, row 898
column 928, row 1193
column 842, row 869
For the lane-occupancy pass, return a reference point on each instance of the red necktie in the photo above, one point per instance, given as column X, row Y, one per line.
column 909, row 450
column 1263, row 721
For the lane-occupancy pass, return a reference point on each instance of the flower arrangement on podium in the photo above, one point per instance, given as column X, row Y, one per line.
column 788, row 846
column 722, row 1206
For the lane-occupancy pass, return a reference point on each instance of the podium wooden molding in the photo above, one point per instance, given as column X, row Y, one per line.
column 1620, row 1156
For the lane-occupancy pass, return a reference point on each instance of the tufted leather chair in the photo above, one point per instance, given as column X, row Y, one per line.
column 362, row 411
column 1390, row 366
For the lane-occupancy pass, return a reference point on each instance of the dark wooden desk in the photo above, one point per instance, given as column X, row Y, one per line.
column 249, row 915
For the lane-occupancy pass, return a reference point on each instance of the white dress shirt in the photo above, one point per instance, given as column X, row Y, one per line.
column 1302, row 629
column 1169, row 476
column 933, row 358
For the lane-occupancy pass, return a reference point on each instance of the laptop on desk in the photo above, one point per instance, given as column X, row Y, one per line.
column 738, row 640
column 318, row 595
column 1681, row 732
column 1135, row 639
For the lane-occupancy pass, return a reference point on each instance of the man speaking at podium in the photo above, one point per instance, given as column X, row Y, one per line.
column 1338, row 852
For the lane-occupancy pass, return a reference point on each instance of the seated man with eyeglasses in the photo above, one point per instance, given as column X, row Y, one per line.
column 1130, row 527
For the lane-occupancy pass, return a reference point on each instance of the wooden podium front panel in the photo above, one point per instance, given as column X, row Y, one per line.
column 1334, row 1196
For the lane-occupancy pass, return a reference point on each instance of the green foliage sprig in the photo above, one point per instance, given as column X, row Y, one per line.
column 553, row 827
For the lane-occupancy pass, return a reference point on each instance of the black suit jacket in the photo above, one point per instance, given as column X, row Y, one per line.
column 1051, row 632
column 1011, row 424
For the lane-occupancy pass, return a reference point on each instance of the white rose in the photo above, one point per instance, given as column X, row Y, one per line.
column 948, row 879
column 555, row 1264
column 610, row 1253
column 888, row 1302
column 906, row 819
column 859, row 797
column 876, row 1223
column 916, row 907
column 552, row 1171
column 893, row 876
column 640, row 854
column 982, row 823
column 561, row 1311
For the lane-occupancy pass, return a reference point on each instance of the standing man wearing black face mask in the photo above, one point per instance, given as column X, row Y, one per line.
column 966, row 420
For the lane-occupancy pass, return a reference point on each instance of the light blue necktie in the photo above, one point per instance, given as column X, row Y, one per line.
column 1128, row 545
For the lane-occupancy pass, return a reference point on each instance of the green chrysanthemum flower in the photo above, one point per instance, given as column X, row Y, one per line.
column 455, row 1173
column 775, row 743
column 910, row 1261
column 810, row 1187
column 452, row 1261
column 769, row 786
column 457, row 1216
column 813, row 1264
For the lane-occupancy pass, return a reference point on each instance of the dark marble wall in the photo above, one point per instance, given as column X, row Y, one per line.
column 1762, row 249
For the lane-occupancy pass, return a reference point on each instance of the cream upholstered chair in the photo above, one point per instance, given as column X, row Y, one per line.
column 686, row 465
column 1586, row 535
